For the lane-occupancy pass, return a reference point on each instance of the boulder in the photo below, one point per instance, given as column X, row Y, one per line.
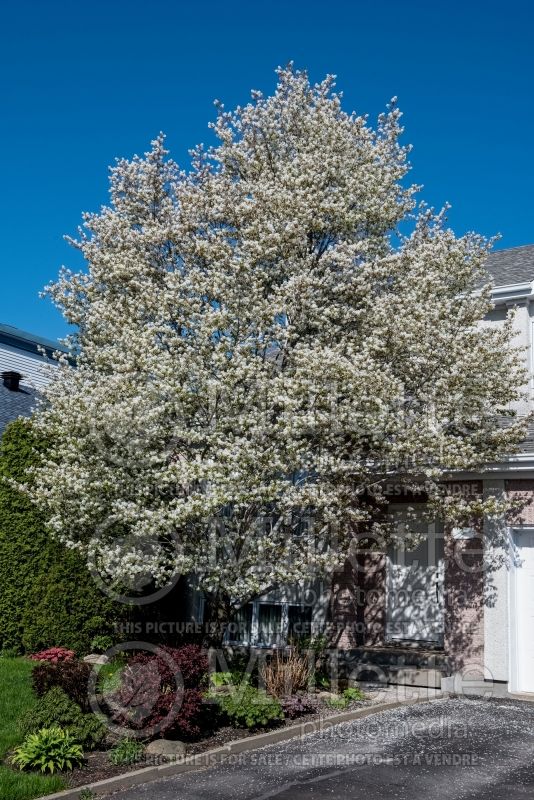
column 166, row 749
column 96, row 658
column 327, row 696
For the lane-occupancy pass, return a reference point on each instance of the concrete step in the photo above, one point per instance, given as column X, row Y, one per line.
column 403, row 666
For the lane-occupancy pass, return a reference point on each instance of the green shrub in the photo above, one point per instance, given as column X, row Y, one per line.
column 100, row 644
column 221, row 678
column 48, row 597
column 353, row 693
column 56, row 709
column 9, row 652
column 322, row 681
column 317, row 643
column 229, row 678
column 89, row 731
column 250, row 707
column 340, row 702
column 49, row 750
column 127, row 751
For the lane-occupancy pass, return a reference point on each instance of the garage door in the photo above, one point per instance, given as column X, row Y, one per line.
column 525, row 611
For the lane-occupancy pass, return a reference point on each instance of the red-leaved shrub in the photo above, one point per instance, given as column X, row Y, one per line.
column 296, row 705
column 189, row 661
column 162, row 694
column 71, row 676
column 54, row 655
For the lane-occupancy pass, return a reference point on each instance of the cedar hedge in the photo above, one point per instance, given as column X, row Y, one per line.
column 48, row 598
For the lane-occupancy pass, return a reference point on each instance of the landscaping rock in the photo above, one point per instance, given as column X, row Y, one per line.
column 96, row 658
column 166, row 749
column 327, row 696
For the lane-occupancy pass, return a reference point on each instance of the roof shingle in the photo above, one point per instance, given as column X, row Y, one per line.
column 515, row 265
column 15, row 404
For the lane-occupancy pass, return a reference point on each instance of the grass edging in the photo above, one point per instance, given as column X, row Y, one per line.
column 218, row 755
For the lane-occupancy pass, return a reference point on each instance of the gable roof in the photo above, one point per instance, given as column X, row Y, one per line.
column 15, row 404
column 514, row 265
column 23, row 340
column 20, row 351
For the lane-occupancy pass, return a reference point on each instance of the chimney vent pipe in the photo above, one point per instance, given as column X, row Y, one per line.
column 11, row 380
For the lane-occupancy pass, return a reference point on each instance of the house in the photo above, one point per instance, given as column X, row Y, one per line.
column 440, row 611
column 21, row 370
column 447, row 609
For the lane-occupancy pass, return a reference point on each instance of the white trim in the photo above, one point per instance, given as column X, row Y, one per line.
column 512, row 617
column 513, row 605
column 512, row 292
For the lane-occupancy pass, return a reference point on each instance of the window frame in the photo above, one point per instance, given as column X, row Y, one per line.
column 253, row 639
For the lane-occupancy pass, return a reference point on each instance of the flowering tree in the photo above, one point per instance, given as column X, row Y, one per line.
column 262, row 342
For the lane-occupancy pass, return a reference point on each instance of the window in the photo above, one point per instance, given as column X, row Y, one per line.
column 241, row 626
column 264, row 624
column 300, row 622
column 270, row 625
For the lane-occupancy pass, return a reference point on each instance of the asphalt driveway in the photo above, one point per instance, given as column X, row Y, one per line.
column 447, row 749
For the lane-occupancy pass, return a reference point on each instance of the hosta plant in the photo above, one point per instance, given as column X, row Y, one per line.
column 56, row 709
column 49, row 750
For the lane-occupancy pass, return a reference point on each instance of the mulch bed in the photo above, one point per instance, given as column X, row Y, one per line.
column 98, row 767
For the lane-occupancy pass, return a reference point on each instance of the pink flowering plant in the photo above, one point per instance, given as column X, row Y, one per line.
column 53, row 654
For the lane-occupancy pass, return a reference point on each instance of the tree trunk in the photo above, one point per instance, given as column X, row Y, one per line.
column 217, row 615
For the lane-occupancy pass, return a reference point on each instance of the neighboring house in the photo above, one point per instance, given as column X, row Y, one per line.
column 416, row 617
column 21, row 371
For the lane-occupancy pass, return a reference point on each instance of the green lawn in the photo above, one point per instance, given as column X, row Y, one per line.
column 16, row 697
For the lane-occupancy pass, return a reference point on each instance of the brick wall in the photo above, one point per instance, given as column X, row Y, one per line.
column 523, row 492
column 358, row 608
column 464, row 603
column 358, row 604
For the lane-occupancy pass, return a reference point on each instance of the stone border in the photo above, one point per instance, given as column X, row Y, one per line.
column 218, row 755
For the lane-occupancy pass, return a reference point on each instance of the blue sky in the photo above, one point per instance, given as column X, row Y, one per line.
column 82, row 83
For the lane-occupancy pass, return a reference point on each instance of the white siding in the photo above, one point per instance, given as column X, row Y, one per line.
column 523, row 328
column 31, row 366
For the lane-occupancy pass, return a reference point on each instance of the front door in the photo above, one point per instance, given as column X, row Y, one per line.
column 415, row 604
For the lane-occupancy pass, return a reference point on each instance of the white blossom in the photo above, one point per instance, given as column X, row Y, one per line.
column 266, row 337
